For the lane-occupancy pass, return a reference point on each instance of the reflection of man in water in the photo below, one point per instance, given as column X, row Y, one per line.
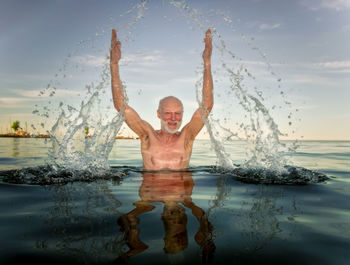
column 166, row 148
column 171, row 189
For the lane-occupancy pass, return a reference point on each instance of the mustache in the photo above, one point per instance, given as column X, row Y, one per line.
column 165, row 126
column 176, row 122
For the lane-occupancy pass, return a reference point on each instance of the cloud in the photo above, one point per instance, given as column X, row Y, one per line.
column 153, row 65
column 318, row 73
column 269, row 26
column 333, row 65
column 14, row 103
column 27, row 98
column 11, row 102
column 346, row 27
column 90, row 60
column 189, row 80
column 337, row 5
column 320, row 68
column 152, row 58
column 58, row 93
column 308, row 79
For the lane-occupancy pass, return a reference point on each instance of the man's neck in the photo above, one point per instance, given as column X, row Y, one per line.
column 166, row 136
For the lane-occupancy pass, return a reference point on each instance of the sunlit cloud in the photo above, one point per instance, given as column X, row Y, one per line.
column 12, row 102
column 27, row 98
column 40, row 93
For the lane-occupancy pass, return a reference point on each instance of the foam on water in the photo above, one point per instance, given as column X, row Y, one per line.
column 51, row 174
column 73, row 151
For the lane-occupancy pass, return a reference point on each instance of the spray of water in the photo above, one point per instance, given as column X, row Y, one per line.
column 260, row 131
column 82, row 137
column 72, row 148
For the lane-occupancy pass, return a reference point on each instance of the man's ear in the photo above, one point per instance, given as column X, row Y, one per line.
column 158, row 113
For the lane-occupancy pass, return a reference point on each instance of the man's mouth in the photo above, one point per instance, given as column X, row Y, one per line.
column 172, row 124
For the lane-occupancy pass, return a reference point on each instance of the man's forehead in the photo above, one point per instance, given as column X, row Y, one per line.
column 172, row 108
column 171, row 103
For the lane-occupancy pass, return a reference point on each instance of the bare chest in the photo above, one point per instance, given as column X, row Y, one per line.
column 159, row 154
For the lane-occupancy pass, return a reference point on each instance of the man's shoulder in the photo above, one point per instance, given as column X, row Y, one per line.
column 149, row 132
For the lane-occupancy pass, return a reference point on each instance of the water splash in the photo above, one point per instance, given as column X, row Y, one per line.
column 71, row 150
column 83, row 136
column 260, row 131
column 50, row 174
column 290, row 175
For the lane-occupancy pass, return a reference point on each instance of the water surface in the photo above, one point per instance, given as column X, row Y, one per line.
column 199, row 217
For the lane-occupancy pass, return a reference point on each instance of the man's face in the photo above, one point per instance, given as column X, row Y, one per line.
column 170, row 115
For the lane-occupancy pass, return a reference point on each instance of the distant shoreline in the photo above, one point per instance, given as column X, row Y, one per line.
column 25, row 135
column 46, row 136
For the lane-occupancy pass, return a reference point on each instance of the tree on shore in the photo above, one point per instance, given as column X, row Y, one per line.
column 15, row 126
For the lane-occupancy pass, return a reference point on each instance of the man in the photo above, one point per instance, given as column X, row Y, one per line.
column 166, row 148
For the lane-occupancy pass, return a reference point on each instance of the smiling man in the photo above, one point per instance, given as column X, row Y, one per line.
column 167, row 148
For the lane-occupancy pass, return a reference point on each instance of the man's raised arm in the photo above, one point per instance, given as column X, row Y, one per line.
column 117, row 87
column 207, row 98
column 197, row 122
column 132, row 119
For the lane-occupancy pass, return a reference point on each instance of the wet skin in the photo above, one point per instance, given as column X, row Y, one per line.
column 166, row 148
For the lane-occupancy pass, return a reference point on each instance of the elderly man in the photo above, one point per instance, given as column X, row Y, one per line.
column 166, row 148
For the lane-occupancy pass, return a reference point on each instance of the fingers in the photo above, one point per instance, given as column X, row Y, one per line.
column 208, row 33
column 114, row 41
column 207, row 38
column 208, row 45
column 114, row 37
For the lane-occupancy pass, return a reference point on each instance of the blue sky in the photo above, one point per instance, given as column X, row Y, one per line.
column 296, row 51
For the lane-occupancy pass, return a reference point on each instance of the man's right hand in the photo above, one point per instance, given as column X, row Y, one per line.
column 115, row 49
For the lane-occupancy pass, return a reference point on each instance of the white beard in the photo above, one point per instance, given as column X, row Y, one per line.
column 165, row 127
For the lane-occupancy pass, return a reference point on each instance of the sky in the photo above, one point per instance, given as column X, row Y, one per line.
column 292, row 55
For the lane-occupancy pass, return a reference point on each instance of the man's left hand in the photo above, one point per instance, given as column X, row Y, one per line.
column 208, row 47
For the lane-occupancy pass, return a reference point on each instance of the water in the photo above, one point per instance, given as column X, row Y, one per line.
column 199, row 217
column 85, row 200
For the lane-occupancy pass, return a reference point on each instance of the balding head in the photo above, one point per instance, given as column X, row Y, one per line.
column 170, row 112
column 170, row 100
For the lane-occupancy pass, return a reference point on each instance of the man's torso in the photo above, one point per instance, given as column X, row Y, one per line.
column 159, row 154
